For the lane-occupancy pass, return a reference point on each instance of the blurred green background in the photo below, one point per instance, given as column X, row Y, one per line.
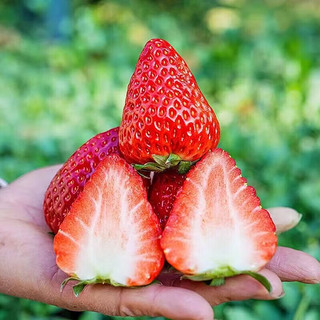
column 65, row 66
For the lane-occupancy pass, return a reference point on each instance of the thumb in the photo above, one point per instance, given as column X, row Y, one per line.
column 154, row 300
column 170, row 302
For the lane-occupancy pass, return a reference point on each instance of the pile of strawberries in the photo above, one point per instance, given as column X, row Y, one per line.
column 157, row 189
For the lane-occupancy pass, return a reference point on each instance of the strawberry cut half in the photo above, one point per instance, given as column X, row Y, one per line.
column 217, row 227
column 111, row 234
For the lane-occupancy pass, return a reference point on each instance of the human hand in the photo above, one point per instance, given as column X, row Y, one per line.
column 28, row 268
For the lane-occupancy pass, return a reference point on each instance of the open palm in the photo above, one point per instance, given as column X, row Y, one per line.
column 28, row 268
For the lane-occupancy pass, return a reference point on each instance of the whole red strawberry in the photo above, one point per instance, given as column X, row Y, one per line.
column 166, row 118
column 71, row 178
column 163, row 192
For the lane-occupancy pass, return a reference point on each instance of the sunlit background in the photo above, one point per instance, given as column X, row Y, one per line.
column 65, row 66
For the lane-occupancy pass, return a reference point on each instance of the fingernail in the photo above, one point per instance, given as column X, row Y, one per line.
column 284, row 218
column 275, row 295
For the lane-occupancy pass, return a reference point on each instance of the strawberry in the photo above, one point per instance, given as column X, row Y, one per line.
column 217, row 227
column 163, row 191
column 71, row 178
column 166, row 118
column 111, row 235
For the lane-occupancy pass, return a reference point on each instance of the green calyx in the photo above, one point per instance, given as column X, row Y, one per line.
column 81, row 284
column 162, row 163
column 217, row 278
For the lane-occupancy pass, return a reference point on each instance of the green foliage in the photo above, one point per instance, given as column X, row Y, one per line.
column 257, row 62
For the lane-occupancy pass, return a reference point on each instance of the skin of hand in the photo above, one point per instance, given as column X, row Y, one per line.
column 28, row 268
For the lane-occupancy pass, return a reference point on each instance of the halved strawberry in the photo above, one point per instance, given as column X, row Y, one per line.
column 217, row 227
column 163, row 191
column 73, row 175
column 166, row 118
column 111, row 235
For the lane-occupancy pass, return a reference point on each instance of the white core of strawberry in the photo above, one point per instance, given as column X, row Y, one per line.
column 109, row 250
column 222, row 240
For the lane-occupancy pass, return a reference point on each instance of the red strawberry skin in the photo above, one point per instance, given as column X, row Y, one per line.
column 165, row 111
column 163, row 191
column 111, row 234
column 217, row 226
column 73, row 175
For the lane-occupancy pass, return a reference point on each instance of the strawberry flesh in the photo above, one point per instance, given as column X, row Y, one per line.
column 217, row 227
column 111, row 235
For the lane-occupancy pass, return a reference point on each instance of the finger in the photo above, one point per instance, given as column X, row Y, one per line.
column 236, row 288
column 155, row 300
column 294, row 265
column 33, row 183
column 284, row 218
column 170, row 302
column 38, row 179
